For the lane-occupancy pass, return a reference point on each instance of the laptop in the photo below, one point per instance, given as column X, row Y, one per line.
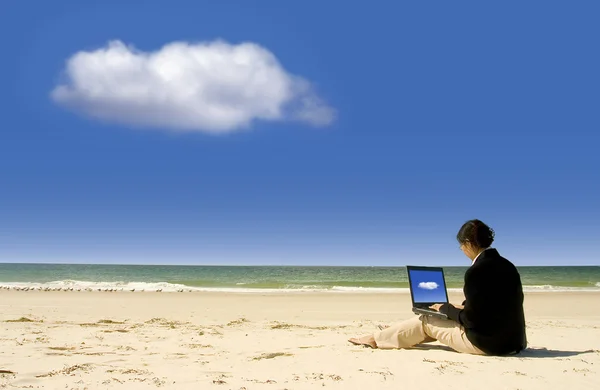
column 427, row 287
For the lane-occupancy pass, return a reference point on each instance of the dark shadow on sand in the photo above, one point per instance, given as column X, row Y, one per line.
column 534, row 353
column 550, row 353
column 437, row 347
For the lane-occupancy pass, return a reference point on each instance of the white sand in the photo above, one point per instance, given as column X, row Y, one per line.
column 275, row 341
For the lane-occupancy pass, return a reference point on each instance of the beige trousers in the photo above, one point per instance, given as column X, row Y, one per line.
column 425, row 329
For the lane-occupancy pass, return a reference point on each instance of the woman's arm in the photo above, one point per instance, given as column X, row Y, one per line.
column 475, row 292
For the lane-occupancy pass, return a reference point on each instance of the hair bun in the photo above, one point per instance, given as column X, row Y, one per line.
column 476, row 232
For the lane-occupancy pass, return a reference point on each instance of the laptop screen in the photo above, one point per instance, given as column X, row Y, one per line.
column 427, row 285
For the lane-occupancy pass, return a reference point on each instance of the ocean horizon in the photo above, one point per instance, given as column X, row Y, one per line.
column 266, row 278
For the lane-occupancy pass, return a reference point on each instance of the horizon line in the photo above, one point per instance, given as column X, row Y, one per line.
column 280, row 265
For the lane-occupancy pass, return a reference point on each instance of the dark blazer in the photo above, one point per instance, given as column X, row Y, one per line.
column 493, row 316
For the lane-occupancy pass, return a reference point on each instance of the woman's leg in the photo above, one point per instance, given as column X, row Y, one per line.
column 450, row 333
column 427, row 340
column 422, row 329
column 403, row 334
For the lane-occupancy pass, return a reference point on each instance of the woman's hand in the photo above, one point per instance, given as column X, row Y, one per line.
column 437, row 306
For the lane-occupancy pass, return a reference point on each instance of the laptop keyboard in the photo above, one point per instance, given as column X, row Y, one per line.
column 417, row 310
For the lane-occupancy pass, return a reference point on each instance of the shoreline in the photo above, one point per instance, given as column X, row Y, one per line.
column 584, row 304
column 38, row 287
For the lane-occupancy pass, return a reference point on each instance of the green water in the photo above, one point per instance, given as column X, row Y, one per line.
column 269, row 277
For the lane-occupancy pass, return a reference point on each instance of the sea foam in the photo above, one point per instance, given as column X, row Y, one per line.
column 77, row 285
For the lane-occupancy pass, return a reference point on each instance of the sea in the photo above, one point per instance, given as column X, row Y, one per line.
column 265, row 279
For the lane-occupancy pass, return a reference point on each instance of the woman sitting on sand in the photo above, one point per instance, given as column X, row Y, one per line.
column 489, row 322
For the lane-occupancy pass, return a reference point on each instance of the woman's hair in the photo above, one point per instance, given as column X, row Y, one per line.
column 477, row 233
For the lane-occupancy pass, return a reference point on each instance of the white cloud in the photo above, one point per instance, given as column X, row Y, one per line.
column 213, row 87
column 428, row 285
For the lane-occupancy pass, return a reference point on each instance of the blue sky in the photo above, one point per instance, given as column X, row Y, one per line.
column 379, row 128
column 428, row 287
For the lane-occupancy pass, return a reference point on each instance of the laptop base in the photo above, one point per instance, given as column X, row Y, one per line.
column 429, row 312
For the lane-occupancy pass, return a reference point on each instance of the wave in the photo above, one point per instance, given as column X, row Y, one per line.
column 77, row 285
column 550, row 288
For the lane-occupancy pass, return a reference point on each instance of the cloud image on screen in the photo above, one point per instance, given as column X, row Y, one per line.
column 428, row 286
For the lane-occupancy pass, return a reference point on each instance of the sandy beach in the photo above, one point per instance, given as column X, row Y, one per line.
column 133, row 340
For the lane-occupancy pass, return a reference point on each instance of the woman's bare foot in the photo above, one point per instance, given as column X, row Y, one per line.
column 368, row 341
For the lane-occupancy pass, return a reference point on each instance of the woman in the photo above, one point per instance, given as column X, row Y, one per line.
column 489, row 322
